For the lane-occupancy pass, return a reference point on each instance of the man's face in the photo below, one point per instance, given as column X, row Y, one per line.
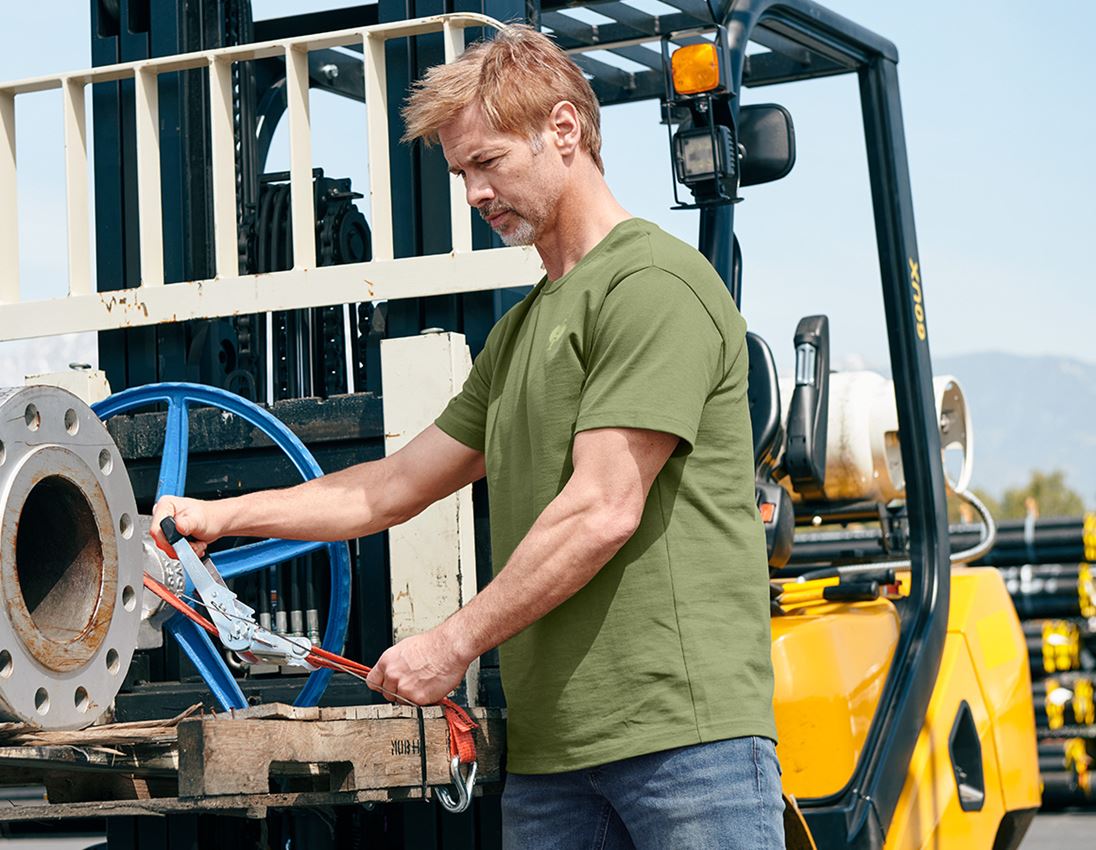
column 512, row 184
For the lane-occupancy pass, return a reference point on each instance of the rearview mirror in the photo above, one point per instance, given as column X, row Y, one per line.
column 766, row 138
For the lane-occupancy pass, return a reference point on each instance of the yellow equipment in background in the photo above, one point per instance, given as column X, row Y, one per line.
column 831, row 661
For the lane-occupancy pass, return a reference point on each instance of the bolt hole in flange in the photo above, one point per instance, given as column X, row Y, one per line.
column 32, row 417
column 125, row 526
column 41, row 701
column 59, row 558
column 81, row 700
column 72, row 421
column 106, row 462
column 3, row 453
column 129, row 598
column 6, row 665
column 112, row 662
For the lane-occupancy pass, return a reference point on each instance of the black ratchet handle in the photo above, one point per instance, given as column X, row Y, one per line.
column 167, row 526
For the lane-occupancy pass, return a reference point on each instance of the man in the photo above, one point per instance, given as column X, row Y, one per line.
column 608, row 411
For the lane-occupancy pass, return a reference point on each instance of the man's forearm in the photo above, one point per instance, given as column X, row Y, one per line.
column 569, row 543
column 355, row 502
column 338, row 506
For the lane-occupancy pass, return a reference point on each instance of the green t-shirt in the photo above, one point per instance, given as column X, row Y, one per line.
column 669, row 644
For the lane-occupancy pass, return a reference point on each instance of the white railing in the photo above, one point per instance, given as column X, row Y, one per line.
column 229, row 293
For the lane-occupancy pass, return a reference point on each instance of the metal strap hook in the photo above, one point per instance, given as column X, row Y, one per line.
column 464, row 783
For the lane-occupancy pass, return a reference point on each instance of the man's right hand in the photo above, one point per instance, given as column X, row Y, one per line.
column 193, row 517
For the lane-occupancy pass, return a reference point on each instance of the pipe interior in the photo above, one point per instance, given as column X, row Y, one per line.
column 59, row 559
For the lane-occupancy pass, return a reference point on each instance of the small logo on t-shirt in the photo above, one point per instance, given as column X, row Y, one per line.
column 555, row 336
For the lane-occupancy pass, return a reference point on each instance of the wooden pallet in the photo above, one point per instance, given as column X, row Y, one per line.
column 244, row 762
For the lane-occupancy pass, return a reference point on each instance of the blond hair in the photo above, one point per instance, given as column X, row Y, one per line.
column 517, row 78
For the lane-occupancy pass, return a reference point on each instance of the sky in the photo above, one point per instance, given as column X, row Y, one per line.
column 999, row 109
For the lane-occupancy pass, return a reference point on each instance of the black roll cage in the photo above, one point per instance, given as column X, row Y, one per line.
column 860, row 814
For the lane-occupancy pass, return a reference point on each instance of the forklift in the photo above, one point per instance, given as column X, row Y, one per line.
column 903, row 696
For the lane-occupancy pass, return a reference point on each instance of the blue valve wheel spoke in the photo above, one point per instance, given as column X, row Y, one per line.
column 257, row 556
column 210, row 664
column 172, row 478
column 242, row 559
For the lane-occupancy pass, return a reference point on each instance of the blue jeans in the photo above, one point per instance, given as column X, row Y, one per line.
column 719, row 796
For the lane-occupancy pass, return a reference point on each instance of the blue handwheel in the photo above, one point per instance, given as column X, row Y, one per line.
column 243, row 559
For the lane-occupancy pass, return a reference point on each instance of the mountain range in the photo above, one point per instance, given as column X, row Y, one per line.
column 1029, row 413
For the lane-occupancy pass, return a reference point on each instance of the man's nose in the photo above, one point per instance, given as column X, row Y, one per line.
column 478, row 191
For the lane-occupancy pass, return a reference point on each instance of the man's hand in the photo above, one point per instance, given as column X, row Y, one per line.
column 194, row 519
column 422, row 669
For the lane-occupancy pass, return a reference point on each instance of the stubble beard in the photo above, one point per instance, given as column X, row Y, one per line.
column 530, row 222
column 522, row 232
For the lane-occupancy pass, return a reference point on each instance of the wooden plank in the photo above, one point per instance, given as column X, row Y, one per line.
column 147, row 760
column 318, row 757
column 240, row 756
column 243, row 805
column 276, row 710
column 381, row 711
column 80, row 788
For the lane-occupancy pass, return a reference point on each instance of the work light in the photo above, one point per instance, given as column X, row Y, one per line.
column 703, row 154
column 704, row 147
column 695, row 68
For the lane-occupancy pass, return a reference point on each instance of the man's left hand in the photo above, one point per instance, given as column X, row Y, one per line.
column 422, row 669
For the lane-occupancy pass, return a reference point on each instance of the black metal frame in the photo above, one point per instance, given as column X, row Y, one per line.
column 860, row 814
column 806, row 41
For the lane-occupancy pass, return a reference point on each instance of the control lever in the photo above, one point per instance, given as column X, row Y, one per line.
column 808, row 413
column 235, row 621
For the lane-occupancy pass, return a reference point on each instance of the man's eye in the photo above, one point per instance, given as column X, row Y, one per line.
column 487, row 163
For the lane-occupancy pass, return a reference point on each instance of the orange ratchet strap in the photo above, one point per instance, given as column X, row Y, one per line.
column 462, row 742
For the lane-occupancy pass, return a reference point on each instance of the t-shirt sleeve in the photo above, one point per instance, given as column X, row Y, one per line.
column 655, row 356
column 464, row 418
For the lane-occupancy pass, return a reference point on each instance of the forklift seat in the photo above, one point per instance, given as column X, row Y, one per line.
column 763, row 394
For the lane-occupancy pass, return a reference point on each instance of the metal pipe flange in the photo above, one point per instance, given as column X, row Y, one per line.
column 71, row 561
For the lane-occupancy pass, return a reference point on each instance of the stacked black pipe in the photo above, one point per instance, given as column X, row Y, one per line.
column 1063, row 684
column 1051, row 590
column 1058, row 540
column 1045, row 567
column 1066, row 767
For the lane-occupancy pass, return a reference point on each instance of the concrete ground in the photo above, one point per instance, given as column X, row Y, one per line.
column 1067, row 831
column 1062, row 831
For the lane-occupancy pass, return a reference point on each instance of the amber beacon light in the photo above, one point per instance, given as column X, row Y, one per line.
column 695, row 68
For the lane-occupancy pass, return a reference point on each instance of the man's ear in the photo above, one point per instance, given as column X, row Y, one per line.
column 564, row 130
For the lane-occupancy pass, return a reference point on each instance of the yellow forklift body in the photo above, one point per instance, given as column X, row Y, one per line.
column 985, row 664
column 831, row 663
